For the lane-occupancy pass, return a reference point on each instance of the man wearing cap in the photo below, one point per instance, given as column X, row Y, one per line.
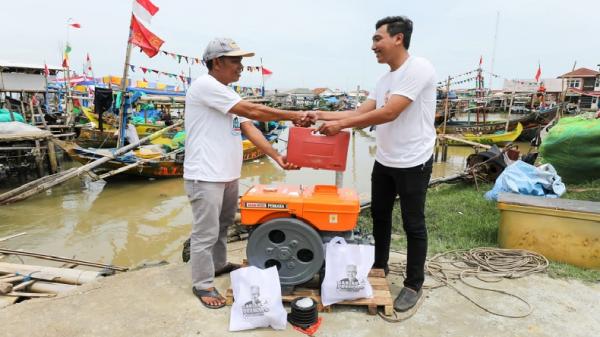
column 403, row 108
column 215, row 118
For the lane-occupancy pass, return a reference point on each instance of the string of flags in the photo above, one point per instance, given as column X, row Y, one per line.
column 145, row 70
column 196, row 60
column 178, row 57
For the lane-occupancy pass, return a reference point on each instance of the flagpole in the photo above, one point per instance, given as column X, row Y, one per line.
column 46, row 74
column 262, row 73
column 122, row 115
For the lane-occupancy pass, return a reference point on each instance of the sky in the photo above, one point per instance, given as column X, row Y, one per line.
column 313, row 43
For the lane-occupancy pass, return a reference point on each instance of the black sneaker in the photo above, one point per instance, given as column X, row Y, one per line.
column 407, row 299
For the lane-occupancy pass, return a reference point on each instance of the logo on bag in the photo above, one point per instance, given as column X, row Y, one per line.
column 235, row 126
column 350, row 283
column 256, row 307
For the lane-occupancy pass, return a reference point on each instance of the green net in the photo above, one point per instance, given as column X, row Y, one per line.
column 573, row 147
column 5, row 116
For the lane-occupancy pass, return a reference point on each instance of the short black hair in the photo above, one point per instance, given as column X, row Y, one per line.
column 209, row 64
column 397, row 24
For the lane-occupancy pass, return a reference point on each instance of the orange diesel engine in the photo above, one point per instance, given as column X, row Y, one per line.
column 289, row 224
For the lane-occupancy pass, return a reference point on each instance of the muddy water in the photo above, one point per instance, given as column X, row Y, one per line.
column 131, row 220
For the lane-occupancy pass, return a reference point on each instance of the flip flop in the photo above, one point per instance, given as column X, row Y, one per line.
column 208, row 293
column 228, row 268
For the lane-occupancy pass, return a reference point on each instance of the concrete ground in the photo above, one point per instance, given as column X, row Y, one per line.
column 158, row 302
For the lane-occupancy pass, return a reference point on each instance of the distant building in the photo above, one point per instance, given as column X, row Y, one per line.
column 23, row 77
column 583, row 88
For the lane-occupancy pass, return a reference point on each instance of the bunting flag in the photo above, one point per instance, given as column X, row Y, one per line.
column 46, row 71
column 88, row 65
column 65, row 62
column 480, row 60
column 538, row 74
column 182, row 77
column 143, row 11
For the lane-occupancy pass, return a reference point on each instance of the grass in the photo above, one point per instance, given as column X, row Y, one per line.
column 458, row 217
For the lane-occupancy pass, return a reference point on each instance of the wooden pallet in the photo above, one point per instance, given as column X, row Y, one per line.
column 381, row 296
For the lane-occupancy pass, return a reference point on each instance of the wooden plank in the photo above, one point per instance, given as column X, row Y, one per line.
column 381, row 296
column 20, row 294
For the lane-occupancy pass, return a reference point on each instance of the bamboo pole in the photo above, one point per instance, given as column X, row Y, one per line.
column 41, row 114
column 456, row 139
column 446, row 105
column 87, row 167
column 62, row 259
column 25, row 187
column 39, row 161
column 6, row 238
column 50, row 287
column 62, row 275
column 52, row 157
column 32, row 295
column 512, row 97
column 122, row 125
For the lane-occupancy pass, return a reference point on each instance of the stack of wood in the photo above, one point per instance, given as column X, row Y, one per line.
column 23, row 281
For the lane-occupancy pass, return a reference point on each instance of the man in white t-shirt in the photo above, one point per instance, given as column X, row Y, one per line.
column 215, row 119
column 403, row 108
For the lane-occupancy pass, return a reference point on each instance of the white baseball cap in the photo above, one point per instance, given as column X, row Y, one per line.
column 223, row 47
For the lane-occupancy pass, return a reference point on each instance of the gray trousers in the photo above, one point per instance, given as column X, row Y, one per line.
column 214, row 205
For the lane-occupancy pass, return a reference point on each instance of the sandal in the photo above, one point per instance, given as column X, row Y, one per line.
column 209, row 293
column 228, row 268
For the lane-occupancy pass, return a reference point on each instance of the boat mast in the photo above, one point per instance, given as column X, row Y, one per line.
column 122, row 115
column 494, row 49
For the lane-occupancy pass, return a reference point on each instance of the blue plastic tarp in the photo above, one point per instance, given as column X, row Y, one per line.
column 523, row 178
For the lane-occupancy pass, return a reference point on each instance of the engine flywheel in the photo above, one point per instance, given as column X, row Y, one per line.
column 294, row 247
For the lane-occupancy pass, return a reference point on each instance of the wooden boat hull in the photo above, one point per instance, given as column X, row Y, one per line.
column 160, row 168
column 494, row 138
column 562, row 230
column 530, row 122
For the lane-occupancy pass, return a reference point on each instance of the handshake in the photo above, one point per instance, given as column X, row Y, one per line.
column 309, row 118
column 305, row 119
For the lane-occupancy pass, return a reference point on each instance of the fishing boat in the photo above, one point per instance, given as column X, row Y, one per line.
column 144, row 162
column 92, row 137
column 498, row 138
column 531, row 123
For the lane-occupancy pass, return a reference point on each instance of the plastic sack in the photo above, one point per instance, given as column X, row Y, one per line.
column 347, row 269
column 526, row 179
column 257, row 299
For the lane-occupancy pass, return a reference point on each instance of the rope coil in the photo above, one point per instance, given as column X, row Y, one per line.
column 484, row 263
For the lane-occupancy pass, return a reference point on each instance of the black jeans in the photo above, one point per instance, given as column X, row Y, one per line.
column 411, row 185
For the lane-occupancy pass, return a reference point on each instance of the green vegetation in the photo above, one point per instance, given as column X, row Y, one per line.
column 458, row 217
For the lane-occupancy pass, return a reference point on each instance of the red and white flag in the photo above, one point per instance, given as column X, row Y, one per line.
column 143, row 11
column 73, row 23
column 538, row 73
column 480, row 60
column 46, row 71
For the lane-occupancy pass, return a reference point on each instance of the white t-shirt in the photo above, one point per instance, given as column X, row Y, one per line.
column 213, row 144
column 408, row 140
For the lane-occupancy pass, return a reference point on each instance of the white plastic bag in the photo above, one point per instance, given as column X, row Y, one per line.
column 257, row 299
column 347, row 269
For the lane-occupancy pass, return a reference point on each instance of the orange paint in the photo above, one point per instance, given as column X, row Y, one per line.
column 325, row 207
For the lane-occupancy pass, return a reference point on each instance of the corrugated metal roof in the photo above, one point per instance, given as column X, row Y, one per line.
column 8, row 64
